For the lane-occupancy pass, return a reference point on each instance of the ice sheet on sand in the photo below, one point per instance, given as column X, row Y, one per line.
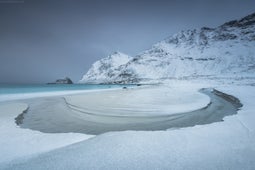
column 157, row 100
column 16, row 142
column 222, row 145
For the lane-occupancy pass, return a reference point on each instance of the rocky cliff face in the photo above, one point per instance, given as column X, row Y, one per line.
column 227, row 51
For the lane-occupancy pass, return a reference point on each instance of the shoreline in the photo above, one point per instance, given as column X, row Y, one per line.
column 56, row 115
column 59, row 93
column 17, row 142
column 25, row 148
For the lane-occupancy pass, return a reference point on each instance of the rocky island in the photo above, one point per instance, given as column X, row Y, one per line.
column 66, row 80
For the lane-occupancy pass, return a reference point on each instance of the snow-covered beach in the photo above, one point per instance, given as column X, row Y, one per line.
column 185, row 103
column 156, row 107
column 226, row 144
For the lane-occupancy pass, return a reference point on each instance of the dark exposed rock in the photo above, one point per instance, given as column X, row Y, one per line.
column 225, row 36
column 233, row 23
column 207, row 29
column 246, row 21
column 205, row 59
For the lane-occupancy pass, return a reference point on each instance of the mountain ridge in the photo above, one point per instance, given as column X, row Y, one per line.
column 224, row 51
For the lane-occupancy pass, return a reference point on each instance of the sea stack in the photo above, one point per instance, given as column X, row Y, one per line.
column 66, row 80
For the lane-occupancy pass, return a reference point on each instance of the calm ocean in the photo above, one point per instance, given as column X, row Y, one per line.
column 17, row 92
column 21, row 89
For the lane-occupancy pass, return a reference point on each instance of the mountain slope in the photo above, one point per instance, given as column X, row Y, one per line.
column 226, row 51
column 107, row 69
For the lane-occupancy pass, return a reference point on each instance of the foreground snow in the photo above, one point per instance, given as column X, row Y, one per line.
column 16, row 142
column 223, row 145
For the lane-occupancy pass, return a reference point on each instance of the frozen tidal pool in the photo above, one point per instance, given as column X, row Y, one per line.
column 148, row 108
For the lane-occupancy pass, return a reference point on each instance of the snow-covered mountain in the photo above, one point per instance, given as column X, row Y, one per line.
column 107, row 69
column 226, row 51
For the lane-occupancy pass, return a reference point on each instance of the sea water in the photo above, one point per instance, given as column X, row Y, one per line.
column 12, row 92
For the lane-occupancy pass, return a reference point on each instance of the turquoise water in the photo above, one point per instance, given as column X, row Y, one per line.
column 21, row 89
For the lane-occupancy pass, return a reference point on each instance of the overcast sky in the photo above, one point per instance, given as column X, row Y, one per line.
column 42, row 40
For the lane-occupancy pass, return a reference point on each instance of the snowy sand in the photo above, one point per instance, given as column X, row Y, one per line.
column 16, row 142
column 148, row 101
column 20, row 96
column 223, row 145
